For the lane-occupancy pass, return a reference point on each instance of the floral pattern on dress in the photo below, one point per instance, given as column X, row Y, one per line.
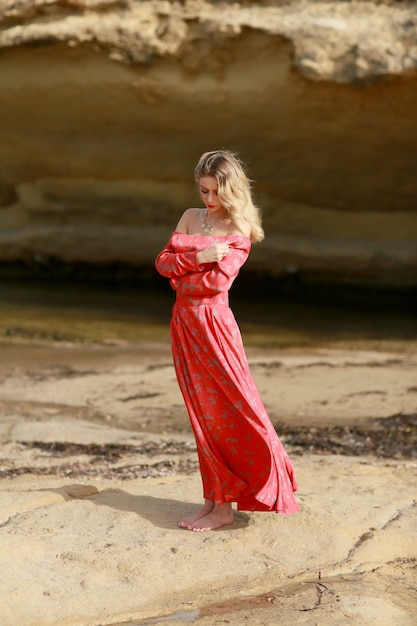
column 241, row 457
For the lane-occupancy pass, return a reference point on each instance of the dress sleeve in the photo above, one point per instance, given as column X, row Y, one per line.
column 212, row 278
column 173, row 264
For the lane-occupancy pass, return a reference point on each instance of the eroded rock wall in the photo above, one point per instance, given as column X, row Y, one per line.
column 107, row 105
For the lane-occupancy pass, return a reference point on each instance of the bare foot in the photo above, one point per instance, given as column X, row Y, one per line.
column 186, row 522
column 220, row 515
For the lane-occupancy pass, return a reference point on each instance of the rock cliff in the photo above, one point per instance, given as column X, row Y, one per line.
column 106, row 106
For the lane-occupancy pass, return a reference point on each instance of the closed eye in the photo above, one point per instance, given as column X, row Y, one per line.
column 206, row 191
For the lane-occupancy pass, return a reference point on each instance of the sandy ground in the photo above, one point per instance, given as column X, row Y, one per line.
column 98, row 463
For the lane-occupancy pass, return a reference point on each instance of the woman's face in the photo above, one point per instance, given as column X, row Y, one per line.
column 208, row 193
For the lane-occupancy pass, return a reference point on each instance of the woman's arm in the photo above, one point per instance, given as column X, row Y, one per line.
column 212, row 277
column 176, row 264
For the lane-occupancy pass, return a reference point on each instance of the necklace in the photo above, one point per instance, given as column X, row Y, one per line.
column 208, row 227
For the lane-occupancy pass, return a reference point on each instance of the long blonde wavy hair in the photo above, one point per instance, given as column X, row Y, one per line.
column 233, row 188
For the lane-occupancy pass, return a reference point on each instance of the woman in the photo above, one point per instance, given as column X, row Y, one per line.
column 240, row 455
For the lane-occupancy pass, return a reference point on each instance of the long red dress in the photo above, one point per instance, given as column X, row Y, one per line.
column 240, row 455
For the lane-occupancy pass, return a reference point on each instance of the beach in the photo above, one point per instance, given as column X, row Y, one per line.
column 106, row 108
column 99, row 463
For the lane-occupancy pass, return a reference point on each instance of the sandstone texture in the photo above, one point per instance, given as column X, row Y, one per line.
column 97, row 466
column 106, row 106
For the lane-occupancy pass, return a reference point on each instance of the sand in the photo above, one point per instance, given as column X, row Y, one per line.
column 98, row 463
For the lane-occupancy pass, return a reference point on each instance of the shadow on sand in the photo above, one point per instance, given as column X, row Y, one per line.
column 161, row 512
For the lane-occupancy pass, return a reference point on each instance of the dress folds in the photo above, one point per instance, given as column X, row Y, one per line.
column 241, row 457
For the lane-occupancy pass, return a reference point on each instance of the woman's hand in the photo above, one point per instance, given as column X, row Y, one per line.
column 213, row 253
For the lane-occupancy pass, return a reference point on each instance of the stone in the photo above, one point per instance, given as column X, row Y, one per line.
column 107, row 106
column 79, row 491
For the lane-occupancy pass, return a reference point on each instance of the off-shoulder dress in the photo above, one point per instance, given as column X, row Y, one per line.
column 241, row 457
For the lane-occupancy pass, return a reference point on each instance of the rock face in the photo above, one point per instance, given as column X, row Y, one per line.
column 106, row 106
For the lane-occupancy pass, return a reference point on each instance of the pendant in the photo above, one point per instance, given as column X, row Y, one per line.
column 206, row 227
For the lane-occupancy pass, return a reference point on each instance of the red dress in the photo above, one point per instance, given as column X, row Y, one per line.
column 241, row 457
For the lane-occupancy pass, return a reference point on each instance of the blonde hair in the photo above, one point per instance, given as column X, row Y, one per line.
column 233, row 188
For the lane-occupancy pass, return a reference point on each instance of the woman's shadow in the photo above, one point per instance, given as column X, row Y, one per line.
column 161, row 512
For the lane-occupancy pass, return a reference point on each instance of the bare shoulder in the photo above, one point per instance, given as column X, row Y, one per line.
column 188, row 218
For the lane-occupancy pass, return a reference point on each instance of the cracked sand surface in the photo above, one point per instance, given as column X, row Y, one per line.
column 91, row 550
